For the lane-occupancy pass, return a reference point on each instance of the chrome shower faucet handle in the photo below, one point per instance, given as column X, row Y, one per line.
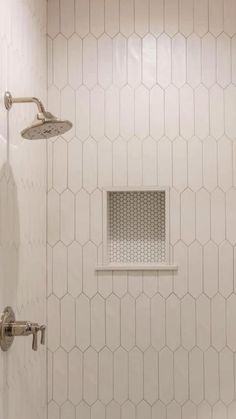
column 9, row 328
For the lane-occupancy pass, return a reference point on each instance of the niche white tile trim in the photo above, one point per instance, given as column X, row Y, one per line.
column 109, row 264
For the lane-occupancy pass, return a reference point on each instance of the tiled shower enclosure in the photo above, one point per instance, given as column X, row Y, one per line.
column 150, row 88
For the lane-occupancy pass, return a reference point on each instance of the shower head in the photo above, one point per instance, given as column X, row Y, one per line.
column 45, row 125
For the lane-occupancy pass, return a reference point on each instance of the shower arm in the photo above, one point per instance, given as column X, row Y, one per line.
column 9, row 100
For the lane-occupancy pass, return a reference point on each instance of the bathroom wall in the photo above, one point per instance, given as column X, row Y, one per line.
column 22, row 206
column 150, row 88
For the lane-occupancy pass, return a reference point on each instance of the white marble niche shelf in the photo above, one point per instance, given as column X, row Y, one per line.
column 136, row 230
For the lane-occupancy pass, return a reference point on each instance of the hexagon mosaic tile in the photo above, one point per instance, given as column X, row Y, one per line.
column 151, row 89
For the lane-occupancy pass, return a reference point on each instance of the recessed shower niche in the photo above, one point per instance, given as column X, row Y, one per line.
column 136, row 229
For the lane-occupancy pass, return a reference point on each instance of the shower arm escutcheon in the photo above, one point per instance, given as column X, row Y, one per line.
column 9, row 100
column 9, row 328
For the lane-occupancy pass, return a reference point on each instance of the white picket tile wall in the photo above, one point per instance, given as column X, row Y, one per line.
column 150, row 87
column 22, row 205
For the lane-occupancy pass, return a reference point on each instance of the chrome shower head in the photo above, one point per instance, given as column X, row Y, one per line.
column 45, row 124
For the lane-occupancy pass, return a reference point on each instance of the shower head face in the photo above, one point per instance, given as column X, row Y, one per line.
column 46, row 126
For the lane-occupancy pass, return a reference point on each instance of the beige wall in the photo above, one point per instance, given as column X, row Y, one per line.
column 150, row 88
column 22, row 205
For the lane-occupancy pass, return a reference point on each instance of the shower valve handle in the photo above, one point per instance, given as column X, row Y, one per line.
column 43, row 334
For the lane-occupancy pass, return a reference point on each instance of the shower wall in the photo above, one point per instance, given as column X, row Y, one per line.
column 22, row 205
column 150, row 88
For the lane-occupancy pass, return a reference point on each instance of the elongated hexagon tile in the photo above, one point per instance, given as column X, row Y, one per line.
column 82, row 17
column 226, row 376
column 203, row 216
column 150, row 375
column 104, row 61
column 218, row 322
column 178, row 60
column 193, row 60
column 226, row 269
column 141, row 112
column 121, row 377
column 229, row 17
column 186, row 8
column 105, row 283
column 171, row 11
column 113, row 322
column 195, row 269
column 166, row 383
column 230, row 216
column 225, row 169
column 112, row 10
column 59, row 165
column 188, row 216
column 216, row 16
column 230, row 100
column 210, row 269
column 208, row 60
column 142, row 322
column 149, row 60
column 210, row 163
column 53, row 13
column 67, row 217
column 188, row 322
column 179, row 164
column 181, row 375
column 172, row 322
column 149, row 162
column 60, row 61
column 119, row 60
column 97, row 322
column 67, row 17
column 53, row 322
column 75, row 165
column 164, row 162
column 164, row 62
column 82, row 217
column 75, row 61
column 211, row 368
column 89, row 61
column 97, row 17
column 201, row 17
column 75, row 371
column 141, row 17
column 90, row 165
column 135, row 375
column 150, row 283
column 97, row 113
column 134, row 60
column 112, row 112
column 67, row 317
column 196, row 377
column 53, row 217
column 82, row 113
column 59, row 270
column 105, row 374
column 156, row 119
column 171, row 112
column 127, row 322
column 90, row 382
column 203, row 322
column 127, row 112
column 186, row 111
column 230, row 313
column 217, row 120
column 53, row 410
column 119, row 162
column 158, row 318
column 83, row 322
column 60, row 376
